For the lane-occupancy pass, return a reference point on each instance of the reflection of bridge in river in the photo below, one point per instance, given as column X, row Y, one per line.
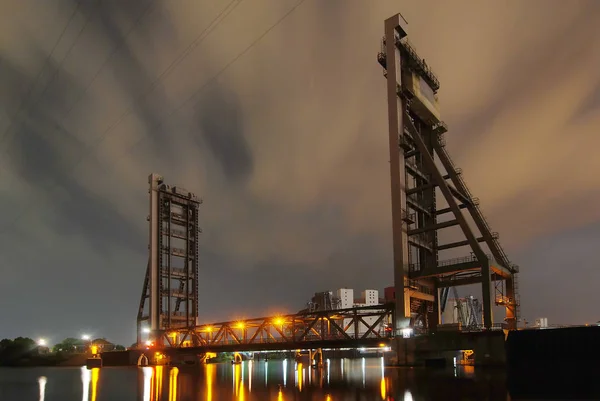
column 280, row 380
column 362, row 378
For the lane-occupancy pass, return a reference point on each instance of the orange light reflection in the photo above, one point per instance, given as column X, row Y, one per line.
column 236, row 378
column 95, row 376
column 158, row 382
column 209, row 372
column 300, row 373
column 173, row 384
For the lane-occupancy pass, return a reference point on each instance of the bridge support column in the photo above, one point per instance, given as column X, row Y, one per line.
column 316, row 358
column 158, row 338
column 396, row 108
column 403, row 352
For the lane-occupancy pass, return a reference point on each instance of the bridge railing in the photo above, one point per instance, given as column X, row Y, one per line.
column 368, row 322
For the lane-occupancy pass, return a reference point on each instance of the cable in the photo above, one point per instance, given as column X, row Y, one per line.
column 196, row 93
column 110, row 56
column 61, row 122
column 209, row 29
column 222, row 70
column 13, row 19
column 164, row 74
column 30, row 90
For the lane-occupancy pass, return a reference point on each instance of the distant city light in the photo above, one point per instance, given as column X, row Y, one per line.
column 42, row 342
column 85, row 337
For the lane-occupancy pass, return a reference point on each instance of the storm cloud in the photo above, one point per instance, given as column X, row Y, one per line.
column 285, row 139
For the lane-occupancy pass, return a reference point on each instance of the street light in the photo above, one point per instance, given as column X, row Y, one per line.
column 42, row 342
column 146, row 330
column 85, row 337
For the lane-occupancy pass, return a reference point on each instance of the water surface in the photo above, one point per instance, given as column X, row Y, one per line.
column 341, row 379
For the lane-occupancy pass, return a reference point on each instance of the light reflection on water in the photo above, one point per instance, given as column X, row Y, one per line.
column 42, row 383
column 339, row 379
column 89, row 381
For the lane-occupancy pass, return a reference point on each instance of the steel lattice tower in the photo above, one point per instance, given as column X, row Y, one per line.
column 415, row 138
column 171, row 282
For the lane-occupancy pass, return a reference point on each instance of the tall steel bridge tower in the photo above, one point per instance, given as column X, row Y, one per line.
column 171, row 282
column 416, row 137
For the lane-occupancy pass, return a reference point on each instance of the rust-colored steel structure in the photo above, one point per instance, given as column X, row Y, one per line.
column 416, row 137
column 362, row 326
column 171, row 281
column 420, row 166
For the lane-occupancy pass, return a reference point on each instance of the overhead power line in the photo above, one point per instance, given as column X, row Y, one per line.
column 83, row 156
column 29, row 92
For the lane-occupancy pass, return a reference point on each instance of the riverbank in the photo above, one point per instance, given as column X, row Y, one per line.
column 45, row 360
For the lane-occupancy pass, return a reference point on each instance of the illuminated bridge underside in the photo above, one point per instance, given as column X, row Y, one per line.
column 343, row 328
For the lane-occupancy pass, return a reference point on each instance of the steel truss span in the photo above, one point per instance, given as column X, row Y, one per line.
column 364, row 326
column 171, row 281
column 420, row 165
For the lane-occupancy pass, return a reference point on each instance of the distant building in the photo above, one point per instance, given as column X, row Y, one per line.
column 368, row 298
column 322, row 301
column 344, row 298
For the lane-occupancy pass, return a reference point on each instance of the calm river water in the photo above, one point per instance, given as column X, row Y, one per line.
column 341, row 379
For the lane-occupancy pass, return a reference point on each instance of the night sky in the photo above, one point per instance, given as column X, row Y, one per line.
column 286, row 142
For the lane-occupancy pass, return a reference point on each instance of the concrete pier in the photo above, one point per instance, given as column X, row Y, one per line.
column 449, row 348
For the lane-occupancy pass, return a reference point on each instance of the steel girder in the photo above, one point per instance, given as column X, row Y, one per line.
column 361, row 323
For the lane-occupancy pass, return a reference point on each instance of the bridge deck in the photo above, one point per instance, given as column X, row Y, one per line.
column 286, row 346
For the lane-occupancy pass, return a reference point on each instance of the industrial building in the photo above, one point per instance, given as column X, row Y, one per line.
column 466, row 312
column 344, row 298
column 457, row 312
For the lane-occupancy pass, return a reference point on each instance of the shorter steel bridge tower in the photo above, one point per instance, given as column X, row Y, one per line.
column 171, row 282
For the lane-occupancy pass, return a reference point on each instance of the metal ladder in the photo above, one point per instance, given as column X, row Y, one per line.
column 517, row 300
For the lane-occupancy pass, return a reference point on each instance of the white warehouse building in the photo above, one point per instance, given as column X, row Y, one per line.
column 368, row 298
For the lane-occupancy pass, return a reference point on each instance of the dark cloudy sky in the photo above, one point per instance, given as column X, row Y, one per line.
column 286, row 143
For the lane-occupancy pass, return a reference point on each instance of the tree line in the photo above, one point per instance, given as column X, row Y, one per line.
column 25, row 351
